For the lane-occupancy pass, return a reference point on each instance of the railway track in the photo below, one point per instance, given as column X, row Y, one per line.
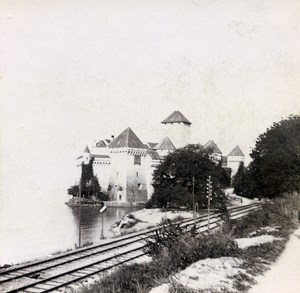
column 59, row 271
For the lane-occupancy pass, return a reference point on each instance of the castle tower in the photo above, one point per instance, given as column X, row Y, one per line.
column 164, row 147
column 86, row 156
column 234, row 158
column 177, row 128
column 216, row 153
column 128, row 178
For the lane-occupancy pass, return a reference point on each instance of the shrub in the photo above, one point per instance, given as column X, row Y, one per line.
column 278, row 212
column 180, row 247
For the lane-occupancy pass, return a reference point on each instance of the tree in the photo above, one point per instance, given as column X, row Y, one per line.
column 173, row 178
column 73, row 190
column 275, row 168
column 89, row 184
column 238, row 181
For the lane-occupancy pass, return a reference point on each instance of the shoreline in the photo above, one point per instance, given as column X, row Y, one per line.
column 114, row 204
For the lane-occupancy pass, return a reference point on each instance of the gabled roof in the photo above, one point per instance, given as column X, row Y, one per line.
column 176, row 116
column 211, row 144
column 165, row 144
column 86, row 150
column 103, row 143
column 154, row 155
column 100, row 144
column 152, row 144
column 127, row 139
column 236, row 152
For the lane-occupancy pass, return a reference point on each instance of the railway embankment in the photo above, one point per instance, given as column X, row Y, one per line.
column 229, row 260
column 71, row 268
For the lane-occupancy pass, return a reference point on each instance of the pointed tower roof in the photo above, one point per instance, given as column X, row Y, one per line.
column 236, row 152
column 87, row 150
column 165, row 144
column 176, row 117
column 211, row 144
column 127, row 139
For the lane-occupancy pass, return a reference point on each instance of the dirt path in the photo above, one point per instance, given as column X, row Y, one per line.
column 284, row 276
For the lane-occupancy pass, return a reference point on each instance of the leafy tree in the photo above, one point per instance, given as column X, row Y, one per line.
column 275, row 167
column 73, row 190
column 173, row 178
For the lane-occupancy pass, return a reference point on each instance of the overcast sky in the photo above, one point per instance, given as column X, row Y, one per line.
column 74, row 71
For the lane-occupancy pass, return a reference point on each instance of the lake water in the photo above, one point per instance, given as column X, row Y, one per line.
column 37, row 225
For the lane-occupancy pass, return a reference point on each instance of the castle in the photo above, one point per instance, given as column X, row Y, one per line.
column 124, row 165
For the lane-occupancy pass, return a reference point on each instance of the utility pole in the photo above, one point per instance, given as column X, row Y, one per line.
column 209, row 195
column 193, row 197
column 102, row 210
column 79, row 216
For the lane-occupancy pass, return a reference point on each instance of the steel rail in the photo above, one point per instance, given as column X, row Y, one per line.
column 82, row 253
column 189, row 222
column 95, row 247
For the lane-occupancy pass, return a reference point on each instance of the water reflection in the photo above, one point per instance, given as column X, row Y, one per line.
column 91, row 221
column 37, row 226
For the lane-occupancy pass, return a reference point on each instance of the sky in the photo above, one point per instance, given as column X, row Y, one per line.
column 76, row 71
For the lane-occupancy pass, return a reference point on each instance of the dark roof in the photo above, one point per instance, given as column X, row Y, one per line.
column 152, row 144
column 127, row 139
column 236, row 152
column 154, row 155
column 101, row 144
column 101, row 156
column 165, row 144
column 176, row 117
column 86, row 150
column 211, row 144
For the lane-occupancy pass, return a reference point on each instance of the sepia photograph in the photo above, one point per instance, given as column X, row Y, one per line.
column 150, row 146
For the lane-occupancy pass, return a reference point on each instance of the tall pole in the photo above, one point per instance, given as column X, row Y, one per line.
column 102, row 236
column 193, row 197
column 79, row 228
column 102, row 210
column 208, row 202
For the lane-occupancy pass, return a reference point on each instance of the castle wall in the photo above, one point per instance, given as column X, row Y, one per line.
column 128, row 180
column 118, row 176
column 103, row 170
column 178, row 132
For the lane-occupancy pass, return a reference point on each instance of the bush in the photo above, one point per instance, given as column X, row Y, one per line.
column 179, row 247
column 278, row 212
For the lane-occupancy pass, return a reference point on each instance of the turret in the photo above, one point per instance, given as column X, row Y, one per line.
column 86, row 156
column 177, row 128
column 234, row 158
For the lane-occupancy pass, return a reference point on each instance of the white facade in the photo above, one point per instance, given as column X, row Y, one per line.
column 178, row 132
column 125, row 166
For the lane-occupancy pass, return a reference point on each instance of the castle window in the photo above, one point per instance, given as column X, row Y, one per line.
column 137, row 160
column 137, row 174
